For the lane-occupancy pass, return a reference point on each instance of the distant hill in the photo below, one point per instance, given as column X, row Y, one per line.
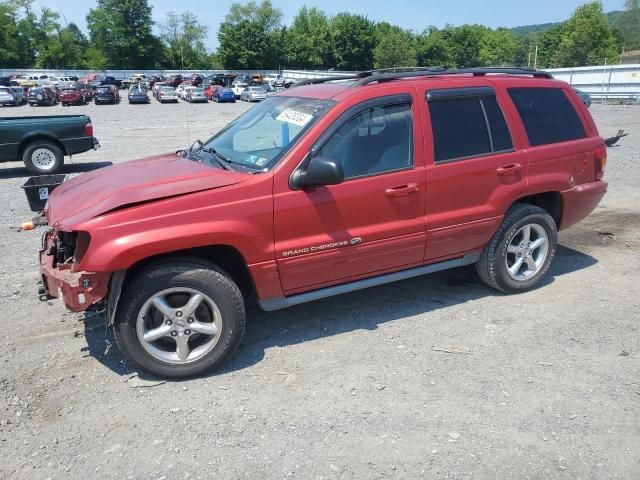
column 541, row 27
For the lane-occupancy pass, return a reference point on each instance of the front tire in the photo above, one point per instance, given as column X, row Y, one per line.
column 521, row 251
column 180, row 319
column 43, row 158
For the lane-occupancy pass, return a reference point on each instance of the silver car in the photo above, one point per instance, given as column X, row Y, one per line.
column 19, row 94
column 167, row 94
column 195, row 95
column 7, row 97
column 253, row 94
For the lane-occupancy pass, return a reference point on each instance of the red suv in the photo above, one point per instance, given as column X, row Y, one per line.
column 326, row 188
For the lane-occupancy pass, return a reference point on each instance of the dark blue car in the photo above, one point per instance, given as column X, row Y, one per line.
column 223, row 94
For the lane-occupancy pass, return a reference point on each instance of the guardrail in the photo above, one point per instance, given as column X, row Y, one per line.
column 602, row 82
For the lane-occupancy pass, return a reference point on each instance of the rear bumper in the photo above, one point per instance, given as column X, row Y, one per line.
column 580, row 201
column 77, row 290
column 75, row 146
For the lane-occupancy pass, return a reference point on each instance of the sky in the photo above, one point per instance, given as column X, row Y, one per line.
column 410, row 14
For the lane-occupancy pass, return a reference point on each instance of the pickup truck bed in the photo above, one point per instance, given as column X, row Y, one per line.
column 54, row 136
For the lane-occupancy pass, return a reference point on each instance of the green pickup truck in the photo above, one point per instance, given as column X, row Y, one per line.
column 42, row 142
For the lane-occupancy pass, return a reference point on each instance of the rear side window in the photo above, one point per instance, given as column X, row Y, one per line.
column 466, row 127
column 547, row 114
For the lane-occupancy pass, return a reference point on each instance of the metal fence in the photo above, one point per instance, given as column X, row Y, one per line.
column 603, row 82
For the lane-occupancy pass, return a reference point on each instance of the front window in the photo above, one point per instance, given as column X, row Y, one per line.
column 260, row 137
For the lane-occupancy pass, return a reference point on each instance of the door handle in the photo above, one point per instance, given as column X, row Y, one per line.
column 402, row 190
column 507, row 170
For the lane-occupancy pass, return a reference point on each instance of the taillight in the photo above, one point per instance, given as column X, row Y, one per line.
column 600, row 161
column 88, row 129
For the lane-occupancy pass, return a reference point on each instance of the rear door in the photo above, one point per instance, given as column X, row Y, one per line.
column 561, row 144
column 474, row 167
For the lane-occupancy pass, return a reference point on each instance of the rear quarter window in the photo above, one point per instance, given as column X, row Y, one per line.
column 547, row 114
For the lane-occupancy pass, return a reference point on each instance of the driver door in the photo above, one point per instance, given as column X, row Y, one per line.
column 372, row 222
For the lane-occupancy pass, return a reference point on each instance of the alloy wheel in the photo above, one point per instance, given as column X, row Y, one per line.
column 179, row 325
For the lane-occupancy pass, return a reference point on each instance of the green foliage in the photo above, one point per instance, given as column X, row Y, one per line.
column 466, row 42
column 250, row 35
column 498, row 48
column 395, row 48
column 627, row 25
column 184, row 42
column 121, row 30
column 433, row 49
column 353, row 39
column 587, row 39
column 308, row 40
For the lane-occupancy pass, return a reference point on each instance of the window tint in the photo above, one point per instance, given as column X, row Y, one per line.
column 466, row 127
column 459, row 128
column 499, row 131
column 379, row 139
column 547, row 114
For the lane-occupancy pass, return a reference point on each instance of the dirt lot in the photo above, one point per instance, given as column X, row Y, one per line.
column 436, row 377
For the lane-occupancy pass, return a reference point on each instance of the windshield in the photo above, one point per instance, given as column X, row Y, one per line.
column 260, row 137
column 69, row 90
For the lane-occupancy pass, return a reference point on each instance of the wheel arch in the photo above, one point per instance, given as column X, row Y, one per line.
column 40, row 136
column 226, row 257
column 550, row 201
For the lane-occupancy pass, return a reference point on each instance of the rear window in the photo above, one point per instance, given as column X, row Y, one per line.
column 466, row 127
column 547, row 114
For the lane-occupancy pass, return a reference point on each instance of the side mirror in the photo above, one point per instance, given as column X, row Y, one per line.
column 320, row 171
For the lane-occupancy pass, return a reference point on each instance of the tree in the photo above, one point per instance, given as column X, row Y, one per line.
column 395, row 47
column 465, row 42
column 433, row 49
column 121, row 34
column 308, row 40
column 587, row 39
column 548, row 47
column 627, row 25
column 9, row 44
column 250, row 35
column 184, row 38
column 498, row 48
column 353, row 38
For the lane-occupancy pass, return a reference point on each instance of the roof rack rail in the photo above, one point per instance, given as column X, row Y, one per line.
column 314, row 81
column 476, row 72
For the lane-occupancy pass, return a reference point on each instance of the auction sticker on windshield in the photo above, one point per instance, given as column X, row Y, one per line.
column 295, row 117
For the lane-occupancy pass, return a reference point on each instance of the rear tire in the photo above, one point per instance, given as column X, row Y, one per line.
column 521, row 251
column 43, row 158
column 175, row 285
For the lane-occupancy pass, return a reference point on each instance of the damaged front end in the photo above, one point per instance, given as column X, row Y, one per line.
column 60, row 254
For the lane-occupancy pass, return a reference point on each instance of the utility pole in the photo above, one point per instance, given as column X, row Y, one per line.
column 535, row 59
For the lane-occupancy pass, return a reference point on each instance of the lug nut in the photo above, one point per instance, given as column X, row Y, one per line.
column 178, row 314
column 187, row 332
column 168, row 322
column 190, row 320
column 174, row 333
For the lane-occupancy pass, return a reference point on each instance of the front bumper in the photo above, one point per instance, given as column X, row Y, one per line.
column 77, row 290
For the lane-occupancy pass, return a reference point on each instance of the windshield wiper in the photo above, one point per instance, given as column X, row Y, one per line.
column 218, row 157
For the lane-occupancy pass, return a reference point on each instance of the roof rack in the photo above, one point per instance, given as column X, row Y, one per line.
column 476, row 72
column 388, row 74
column 313, row 81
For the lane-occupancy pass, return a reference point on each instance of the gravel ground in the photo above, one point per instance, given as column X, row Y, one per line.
column 436, row 377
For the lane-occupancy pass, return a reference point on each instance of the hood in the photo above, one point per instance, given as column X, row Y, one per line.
column 91, row 194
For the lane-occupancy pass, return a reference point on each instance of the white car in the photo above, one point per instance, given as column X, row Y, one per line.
column 30, row 79
column 185, row 91
column 274, row 79
column 7, row 97
column 238, row 88
column 180, row 90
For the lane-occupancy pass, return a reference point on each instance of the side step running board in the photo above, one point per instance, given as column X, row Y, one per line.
column 278, row 303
